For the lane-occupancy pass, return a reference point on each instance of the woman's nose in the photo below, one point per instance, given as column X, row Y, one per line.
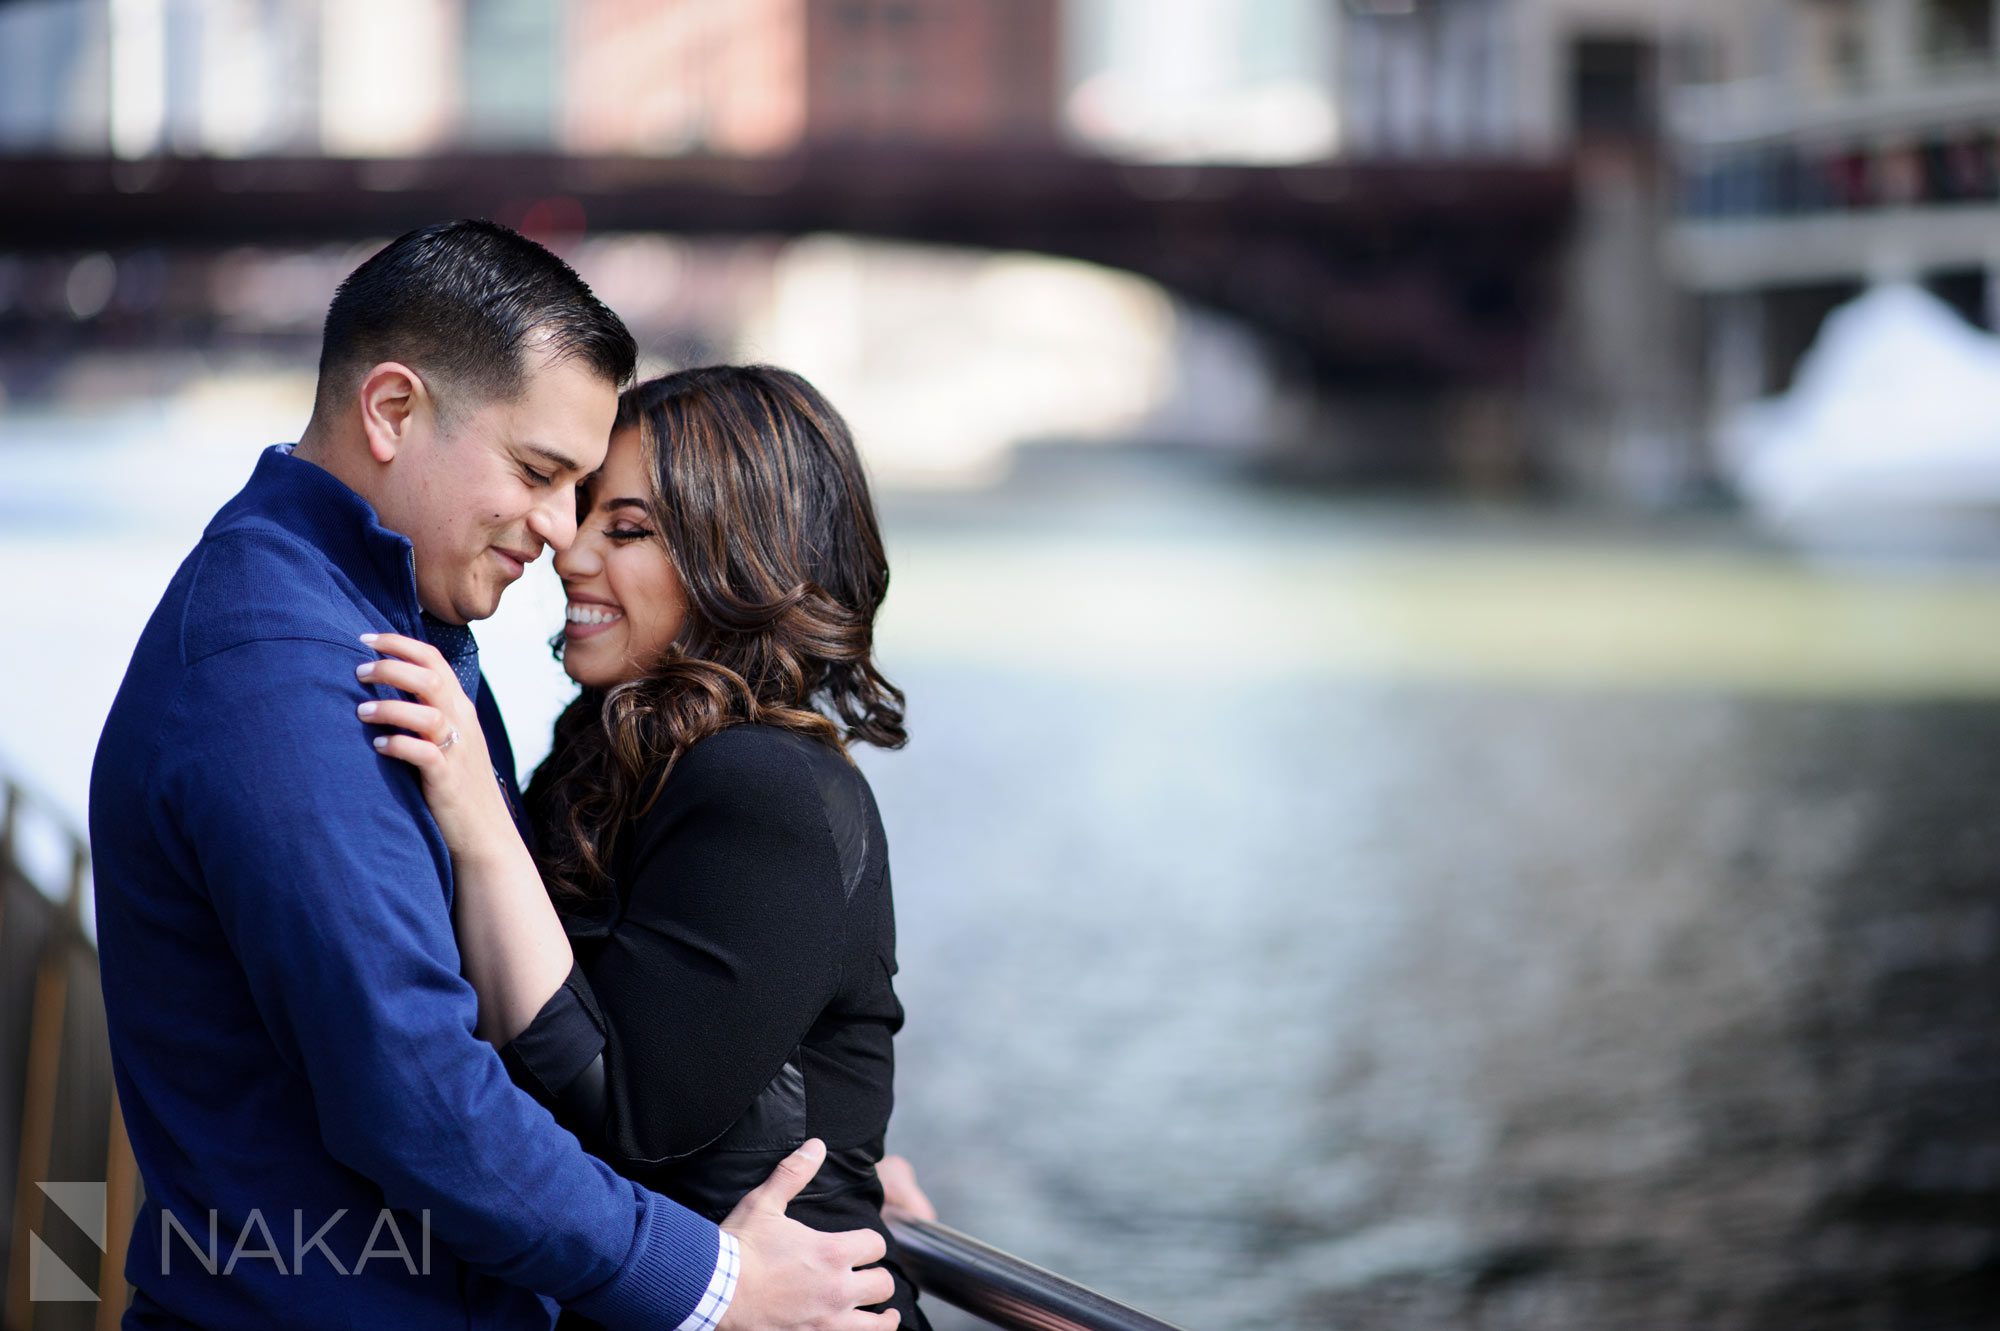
column 578, row 559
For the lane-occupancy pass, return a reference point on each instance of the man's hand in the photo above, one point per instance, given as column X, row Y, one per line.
column 900, row 1190
column 798, row 1279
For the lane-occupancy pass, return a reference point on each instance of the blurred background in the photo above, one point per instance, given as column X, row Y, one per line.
column 1446, row 565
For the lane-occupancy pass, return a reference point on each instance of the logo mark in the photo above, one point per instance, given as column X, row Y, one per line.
column 49, row 1279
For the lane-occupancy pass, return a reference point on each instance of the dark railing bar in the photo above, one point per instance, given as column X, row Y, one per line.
column 10, row 815
column 1001, row 1288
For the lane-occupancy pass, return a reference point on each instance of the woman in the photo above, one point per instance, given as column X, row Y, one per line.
column 694, row 970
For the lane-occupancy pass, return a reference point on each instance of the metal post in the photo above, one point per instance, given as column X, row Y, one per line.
column 38, row 1119
column 10, row 804
column 121, row 1188
column 79, row 875
column 10, row 814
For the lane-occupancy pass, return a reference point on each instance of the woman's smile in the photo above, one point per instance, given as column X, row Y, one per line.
column 587, row 619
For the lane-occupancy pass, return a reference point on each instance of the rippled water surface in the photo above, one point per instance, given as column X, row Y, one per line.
column 1608, row 940
column 1414, row 1007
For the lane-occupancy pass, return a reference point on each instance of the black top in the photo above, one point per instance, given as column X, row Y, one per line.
column 733, row 996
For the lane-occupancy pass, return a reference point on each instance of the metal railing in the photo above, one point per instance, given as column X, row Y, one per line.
column 57, row 1103
column 17, row 806
column 1001, row 1288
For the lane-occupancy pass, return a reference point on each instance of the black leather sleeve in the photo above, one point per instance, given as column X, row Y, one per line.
column 559, row 1057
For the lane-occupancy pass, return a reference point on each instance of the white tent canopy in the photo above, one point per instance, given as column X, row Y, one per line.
column 1894, row 413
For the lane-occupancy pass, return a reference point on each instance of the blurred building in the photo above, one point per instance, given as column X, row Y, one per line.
column 389, row 76
column 754, row 77
column 676, row 76
column 973, row 71
column 1614, row 407
column 1612, row 401
column 1296, row 80
column 1540, row 77
column 1835, row 145
column 231, row 78
column 1224, row 80
column 52, row 77
column 393, row 78
column 512, row 77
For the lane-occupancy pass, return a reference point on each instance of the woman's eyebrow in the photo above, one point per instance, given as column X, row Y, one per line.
column 639, row 504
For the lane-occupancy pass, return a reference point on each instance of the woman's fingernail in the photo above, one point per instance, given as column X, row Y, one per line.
column 365, row 670
column 381, row 741
column 368, row 637
column 366, row 709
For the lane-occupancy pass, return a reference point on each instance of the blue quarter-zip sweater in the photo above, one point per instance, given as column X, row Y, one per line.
column 324, row 1141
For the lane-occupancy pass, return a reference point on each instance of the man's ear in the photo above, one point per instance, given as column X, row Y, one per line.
column 393, row 400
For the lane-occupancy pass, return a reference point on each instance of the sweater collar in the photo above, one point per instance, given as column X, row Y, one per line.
column 312, row 504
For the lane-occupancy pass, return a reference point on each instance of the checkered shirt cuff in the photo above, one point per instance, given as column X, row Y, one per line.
column 721, row 1288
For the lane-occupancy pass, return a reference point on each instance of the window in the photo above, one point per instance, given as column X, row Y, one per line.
column 1958, row 29
column 1614, row 87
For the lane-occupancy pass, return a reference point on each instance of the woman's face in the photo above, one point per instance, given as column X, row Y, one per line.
column 625, row 600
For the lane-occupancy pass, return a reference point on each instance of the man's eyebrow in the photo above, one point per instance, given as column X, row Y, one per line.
column 560, row 461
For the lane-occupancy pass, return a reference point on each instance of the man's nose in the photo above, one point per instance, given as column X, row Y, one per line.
column 555, row 521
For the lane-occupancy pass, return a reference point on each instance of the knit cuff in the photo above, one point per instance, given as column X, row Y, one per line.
column 668, row 1275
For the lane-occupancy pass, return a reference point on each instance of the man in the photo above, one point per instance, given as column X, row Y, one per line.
column 324, row 1140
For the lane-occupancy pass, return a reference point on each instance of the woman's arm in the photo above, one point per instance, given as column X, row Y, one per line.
column 509, row 938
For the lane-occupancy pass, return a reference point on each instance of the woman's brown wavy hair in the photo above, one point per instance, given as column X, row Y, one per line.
column 760, row 501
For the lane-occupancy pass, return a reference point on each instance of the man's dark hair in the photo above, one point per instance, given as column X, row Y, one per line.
column 457, row 302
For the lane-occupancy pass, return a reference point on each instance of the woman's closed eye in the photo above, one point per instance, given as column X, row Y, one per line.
column 628, row 533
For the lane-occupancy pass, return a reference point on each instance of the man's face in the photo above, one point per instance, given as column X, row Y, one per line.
column 480, row 498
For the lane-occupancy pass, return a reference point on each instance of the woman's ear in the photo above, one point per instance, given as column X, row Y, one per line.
column 393, row 398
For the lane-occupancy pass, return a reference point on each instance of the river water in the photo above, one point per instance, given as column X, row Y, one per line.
column 1329, row 913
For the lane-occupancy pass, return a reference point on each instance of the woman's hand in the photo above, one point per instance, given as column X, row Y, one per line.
column 899, row 1187
column 509, row 938
column 443, row 742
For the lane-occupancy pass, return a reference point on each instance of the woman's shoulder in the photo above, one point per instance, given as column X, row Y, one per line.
column 749, row 750
column 764, row 768
column 774, row 777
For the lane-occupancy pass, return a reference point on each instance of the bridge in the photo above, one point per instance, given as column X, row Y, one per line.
column 1382, row 274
